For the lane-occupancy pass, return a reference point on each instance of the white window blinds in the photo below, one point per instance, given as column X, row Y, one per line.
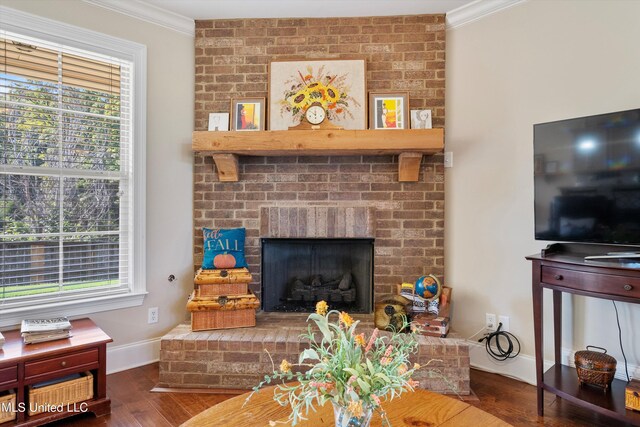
column 65, row 172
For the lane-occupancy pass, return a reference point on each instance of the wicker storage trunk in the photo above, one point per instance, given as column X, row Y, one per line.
column 7, row 406
column 212, row 283
column 232, row 275
column 63, row 393
column 223, row 312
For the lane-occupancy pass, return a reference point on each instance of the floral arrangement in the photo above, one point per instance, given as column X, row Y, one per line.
column 331, row 91
column 355, row 372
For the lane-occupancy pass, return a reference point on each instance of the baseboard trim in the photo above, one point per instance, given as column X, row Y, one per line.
column 235, row 391
column 133, row 355
column 523, row 367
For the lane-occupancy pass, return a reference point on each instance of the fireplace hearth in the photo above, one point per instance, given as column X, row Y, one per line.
column 297, row 273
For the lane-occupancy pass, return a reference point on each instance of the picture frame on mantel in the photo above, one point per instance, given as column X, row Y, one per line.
column 339, row 85
column 388, row 110
column 218, row 121
column 421, row 119
column 248, row 114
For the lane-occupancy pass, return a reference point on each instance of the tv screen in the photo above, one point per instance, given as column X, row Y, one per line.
column 587, row 179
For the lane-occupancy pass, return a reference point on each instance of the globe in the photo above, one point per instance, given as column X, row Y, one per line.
column 428, row 287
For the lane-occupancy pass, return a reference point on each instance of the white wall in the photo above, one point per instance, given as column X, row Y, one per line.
column 535, row 62
column 170, row 93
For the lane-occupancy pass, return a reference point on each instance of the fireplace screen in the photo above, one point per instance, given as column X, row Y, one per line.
column 297, row 273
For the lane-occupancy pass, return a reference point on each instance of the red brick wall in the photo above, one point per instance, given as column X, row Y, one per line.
column 403, row 53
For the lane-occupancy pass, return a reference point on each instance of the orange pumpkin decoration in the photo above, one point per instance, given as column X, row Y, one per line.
column 224, row 261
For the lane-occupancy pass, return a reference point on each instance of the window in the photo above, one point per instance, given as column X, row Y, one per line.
column 70, row 148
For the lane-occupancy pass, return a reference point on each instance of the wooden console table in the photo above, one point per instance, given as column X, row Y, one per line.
column 562, row 268
column 22, row 365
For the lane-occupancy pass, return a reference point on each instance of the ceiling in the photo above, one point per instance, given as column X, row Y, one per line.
column 225, row 9
column 179, row 15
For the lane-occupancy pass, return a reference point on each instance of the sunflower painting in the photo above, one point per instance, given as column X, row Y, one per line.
column 338, row 85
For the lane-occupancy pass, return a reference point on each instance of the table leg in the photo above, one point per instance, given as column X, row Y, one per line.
column 557, row 325
column 536, row 289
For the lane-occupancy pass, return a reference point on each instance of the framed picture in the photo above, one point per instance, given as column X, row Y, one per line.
column 388, row 110
column 247, row 114
column 336, row 84
column 218, row 121
column 420, row 119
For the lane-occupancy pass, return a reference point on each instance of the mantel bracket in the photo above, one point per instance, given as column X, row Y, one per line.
column 227, row 166
column 409, row 167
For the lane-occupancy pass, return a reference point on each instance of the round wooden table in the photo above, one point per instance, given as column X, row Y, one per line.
column 420, row 408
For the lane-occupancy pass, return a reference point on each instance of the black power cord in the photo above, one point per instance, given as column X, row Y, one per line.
column 626, row 367
column 497, row 351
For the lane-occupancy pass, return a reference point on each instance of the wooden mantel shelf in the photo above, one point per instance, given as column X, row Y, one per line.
column 409, row 144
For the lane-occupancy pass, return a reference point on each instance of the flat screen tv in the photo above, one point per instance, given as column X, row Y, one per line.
column 587, row 179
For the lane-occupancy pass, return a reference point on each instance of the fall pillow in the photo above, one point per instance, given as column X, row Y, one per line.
column 223, row 248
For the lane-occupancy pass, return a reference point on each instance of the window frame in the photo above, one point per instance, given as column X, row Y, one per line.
column 57, row 32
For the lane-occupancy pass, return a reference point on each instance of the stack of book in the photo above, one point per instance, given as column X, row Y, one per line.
column 41, row 330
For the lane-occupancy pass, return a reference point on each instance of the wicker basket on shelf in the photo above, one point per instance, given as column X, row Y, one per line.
column 7, row 406
column 596, row 368
column 62, row 393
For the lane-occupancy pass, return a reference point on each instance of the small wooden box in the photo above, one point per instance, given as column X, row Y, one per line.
column 632, row 395
column 223, row 312
column 49, row 397
column 7, row 406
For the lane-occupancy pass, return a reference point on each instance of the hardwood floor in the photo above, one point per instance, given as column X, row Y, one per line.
column 133, row 405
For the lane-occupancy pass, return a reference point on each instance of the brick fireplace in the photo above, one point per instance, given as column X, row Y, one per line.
column 316, row 196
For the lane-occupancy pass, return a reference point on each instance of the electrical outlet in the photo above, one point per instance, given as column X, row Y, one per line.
column 153, row 315
column 490, row 322
column 505, row 323
column 448, row 159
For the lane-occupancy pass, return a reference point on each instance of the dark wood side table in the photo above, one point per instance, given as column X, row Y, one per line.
column 562, row 268
column 22, row 365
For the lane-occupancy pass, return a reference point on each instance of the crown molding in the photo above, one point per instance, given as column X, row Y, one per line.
column 477, row 10
column 149, row 13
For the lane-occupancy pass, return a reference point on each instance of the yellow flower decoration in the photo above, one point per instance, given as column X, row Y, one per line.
column 360, row 340
column 322, row 308
column 332, row 94
column 300, row 99
column 346, row 319
column 355, row 408
column 416, row 366
column 315, row 86
column 402, row 369
column 285, row 366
